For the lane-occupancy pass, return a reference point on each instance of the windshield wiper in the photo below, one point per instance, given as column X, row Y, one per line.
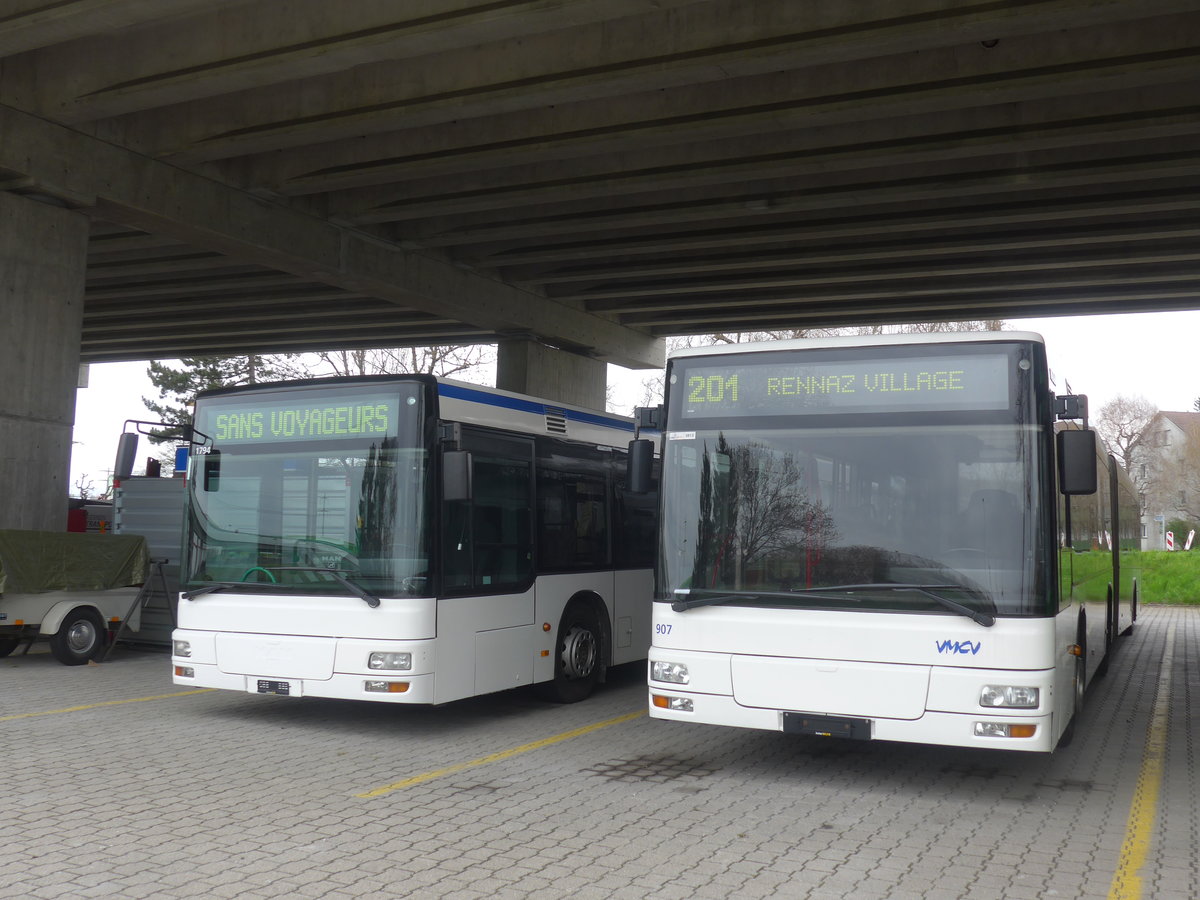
column 336, row 574
column 692, row 602
column 987, row 620
column 209, row 589
column 838, row 592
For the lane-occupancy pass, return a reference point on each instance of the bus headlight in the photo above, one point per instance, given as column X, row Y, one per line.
column 182, row 648
column 1007, row 696
column 673, row 673
column 396, row 661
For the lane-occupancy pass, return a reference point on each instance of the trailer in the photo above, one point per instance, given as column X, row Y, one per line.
column 72, row 589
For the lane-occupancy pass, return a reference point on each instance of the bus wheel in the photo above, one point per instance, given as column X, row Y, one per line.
column 577, row 663
column 8, row 645
column 80, row 637
column 1078, row 689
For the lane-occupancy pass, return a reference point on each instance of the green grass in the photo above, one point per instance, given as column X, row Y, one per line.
column 1170, row 578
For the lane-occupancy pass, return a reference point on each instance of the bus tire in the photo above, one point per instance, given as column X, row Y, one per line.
column 8, row 645
column 578, row 655
column 80, row 637
column 1078, row 691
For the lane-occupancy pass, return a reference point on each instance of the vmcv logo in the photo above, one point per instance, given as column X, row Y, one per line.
column 971, row 647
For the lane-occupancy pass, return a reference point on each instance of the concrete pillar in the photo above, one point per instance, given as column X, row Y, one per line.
column 43, row 259
column 528, row 367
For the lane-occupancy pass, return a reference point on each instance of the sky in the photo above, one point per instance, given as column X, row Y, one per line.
column 1152, row 355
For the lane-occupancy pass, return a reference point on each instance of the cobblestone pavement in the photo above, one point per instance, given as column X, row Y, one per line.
column 120, row 784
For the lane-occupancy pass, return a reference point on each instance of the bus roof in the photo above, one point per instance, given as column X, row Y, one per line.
column 865, row 340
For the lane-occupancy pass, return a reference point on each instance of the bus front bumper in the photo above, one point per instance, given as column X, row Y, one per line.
column 293, row 666
column 926, row 704
column 406, row 689
column 949, row 729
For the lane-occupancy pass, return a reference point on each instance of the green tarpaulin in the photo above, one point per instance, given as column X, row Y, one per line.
column 33, row 562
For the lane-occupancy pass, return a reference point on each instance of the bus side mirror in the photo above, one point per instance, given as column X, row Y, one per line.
column 126, row 451
column 1077, row 461
column 456, row 475
column 212, row 470
column 639, row 466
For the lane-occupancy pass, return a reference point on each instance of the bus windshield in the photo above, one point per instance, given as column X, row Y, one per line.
column 775, row 516
column 290, row 484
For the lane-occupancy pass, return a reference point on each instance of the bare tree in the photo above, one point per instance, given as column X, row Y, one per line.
column 84, row 487
column 1122, row 421
column 933, row 327
column 444, row 361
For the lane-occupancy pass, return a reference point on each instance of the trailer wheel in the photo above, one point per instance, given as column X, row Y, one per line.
column 80, row 637
column 8, row 645
column 577, row 656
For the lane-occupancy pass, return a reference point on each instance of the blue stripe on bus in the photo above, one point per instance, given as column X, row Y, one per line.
column 455, row 392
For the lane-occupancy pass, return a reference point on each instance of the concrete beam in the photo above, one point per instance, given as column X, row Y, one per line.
column 710, row 42
column 31, row 24
column 124, row 70
column 120, row 186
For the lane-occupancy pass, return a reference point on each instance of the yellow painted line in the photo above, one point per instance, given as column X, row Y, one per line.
column 501, row 755
column 71, row 709
column 1143, row 811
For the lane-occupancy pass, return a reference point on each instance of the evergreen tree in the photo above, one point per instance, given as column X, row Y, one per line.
column 178, row 387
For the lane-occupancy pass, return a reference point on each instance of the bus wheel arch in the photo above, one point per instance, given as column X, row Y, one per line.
column 1110, row 632
column 80, row 638
column 1078, row 683
column 582, row 649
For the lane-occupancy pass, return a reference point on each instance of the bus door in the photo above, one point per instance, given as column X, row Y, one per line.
column 486, row 608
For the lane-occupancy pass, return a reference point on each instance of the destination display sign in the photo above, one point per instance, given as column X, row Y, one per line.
column 795, row 387
column 301, row 416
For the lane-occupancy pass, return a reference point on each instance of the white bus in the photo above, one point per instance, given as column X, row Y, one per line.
column 885, row 537
column 408, row 539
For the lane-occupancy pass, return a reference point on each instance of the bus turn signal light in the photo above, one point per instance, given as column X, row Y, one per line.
column 679, row 704
column 386, row 687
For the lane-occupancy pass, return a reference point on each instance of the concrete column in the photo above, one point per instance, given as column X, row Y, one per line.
column 528, row 367
column 43, row 259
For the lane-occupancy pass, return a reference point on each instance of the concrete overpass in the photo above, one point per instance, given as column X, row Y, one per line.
column 182, row 177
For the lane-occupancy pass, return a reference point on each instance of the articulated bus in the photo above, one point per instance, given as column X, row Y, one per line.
column 902, row 538
column 408, row 539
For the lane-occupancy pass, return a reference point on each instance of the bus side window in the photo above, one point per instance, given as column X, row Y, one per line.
column 456, row 545
column 636, row 537
column 487, row 542
column 503, row 532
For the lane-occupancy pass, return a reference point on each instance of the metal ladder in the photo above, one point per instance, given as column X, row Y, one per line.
column 142, row 598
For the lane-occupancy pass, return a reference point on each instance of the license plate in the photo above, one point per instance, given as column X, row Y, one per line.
column 827, row 726
column 282, row 688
